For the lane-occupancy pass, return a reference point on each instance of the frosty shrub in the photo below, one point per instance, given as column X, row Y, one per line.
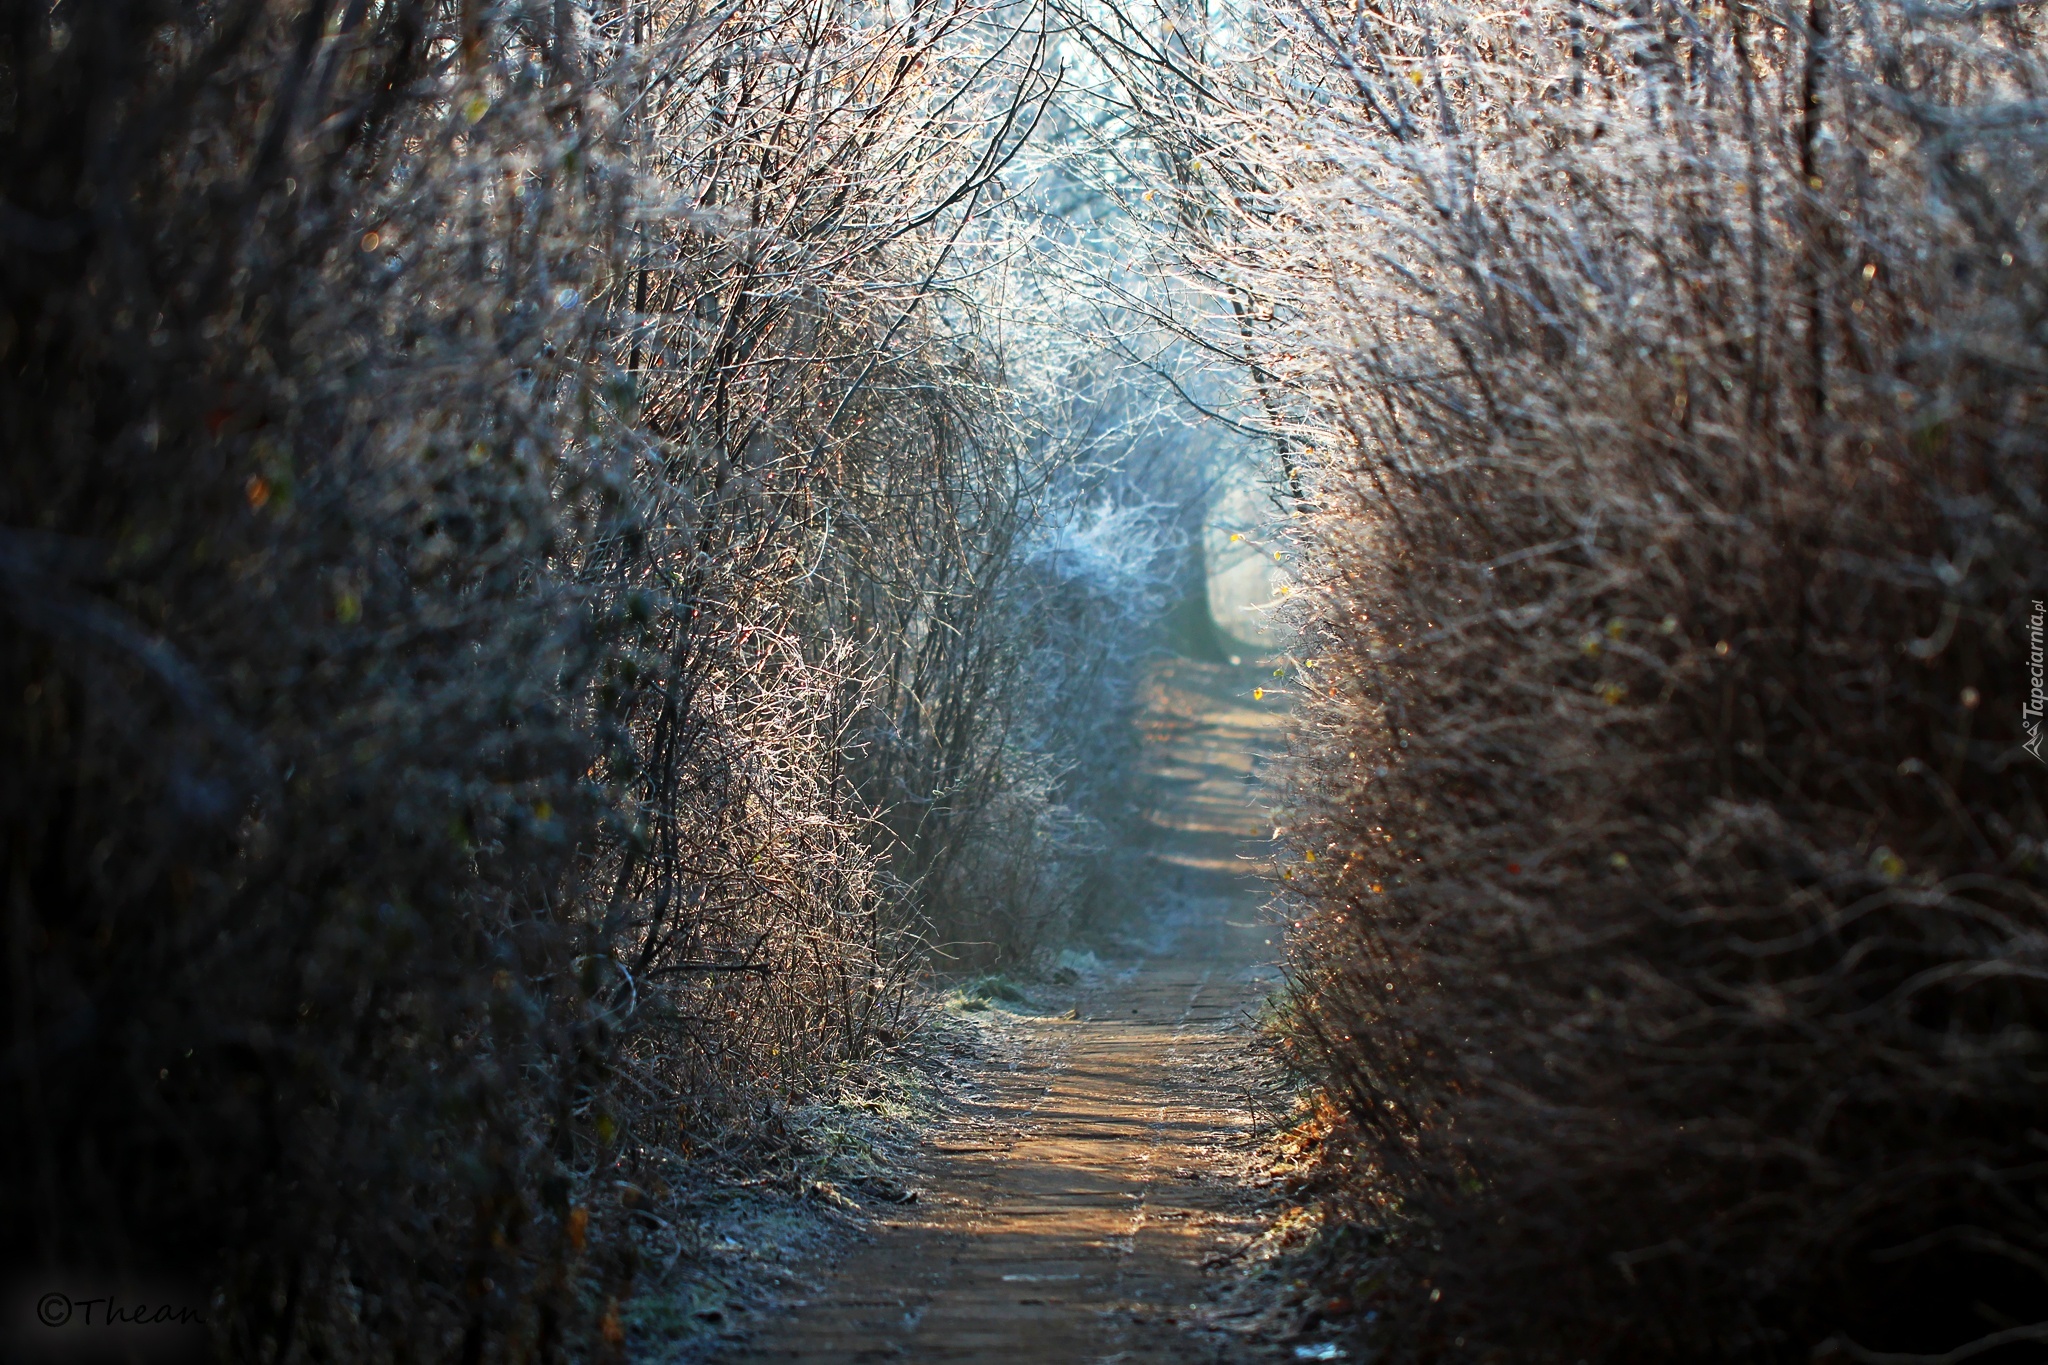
column 1674, row 946
column 1663, row 390
column 427, row 434
column 291, row 786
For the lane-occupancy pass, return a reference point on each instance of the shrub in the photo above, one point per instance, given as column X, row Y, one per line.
column 291, row 784
column 425, row 801
column 1674, row 938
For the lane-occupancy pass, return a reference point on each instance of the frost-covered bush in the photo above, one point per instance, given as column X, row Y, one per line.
column 1663, row 389
column 423, row 792
column 1052, row 855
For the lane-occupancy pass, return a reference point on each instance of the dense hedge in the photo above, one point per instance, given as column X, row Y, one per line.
column 439, row 800
column 1675, row 940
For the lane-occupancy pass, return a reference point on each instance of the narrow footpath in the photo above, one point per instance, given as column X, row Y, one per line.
column 1076, row 1211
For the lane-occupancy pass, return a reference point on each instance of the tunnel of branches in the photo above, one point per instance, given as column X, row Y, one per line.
column 563, row 560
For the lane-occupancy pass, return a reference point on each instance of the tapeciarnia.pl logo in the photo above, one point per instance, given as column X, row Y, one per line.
column 2037, row 679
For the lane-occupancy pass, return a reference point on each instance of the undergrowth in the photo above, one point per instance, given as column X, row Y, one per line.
column 729, row 1236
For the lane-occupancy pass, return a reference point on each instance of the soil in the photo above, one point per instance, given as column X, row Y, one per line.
column 1077, row 1206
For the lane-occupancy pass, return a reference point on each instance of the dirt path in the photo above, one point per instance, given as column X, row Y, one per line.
column 1067, row 1215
